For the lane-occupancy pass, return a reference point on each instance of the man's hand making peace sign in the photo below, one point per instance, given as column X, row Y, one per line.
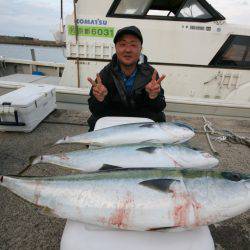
column 154, row 87
column 99, row 90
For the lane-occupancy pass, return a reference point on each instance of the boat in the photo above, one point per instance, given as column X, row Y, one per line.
column 206, row 60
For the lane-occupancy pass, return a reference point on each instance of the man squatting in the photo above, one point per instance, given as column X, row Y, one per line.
column 128, row 85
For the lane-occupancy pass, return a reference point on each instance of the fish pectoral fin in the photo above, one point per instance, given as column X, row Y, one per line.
column 162, row 185
column 49, row 212
column 106, row 167
column 149, row 150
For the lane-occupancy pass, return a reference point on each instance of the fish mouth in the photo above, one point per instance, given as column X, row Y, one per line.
column 214, row 161
column 209, row 159
column 186, row 136
column 211, row 163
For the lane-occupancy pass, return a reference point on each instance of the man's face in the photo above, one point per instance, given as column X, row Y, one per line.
column 128, row 49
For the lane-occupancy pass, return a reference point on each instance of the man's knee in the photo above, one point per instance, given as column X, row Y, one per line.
column 159, row 117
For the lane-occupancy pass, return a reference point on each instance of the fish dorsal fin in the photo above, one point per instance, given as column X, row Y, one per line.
column 148, row 150
column 106, row 167
column 147, row 125
column 162, row 185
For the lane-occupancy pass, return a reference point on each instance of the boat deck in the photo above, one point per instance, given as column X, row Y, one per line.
column 73, row 98
column 22, row 226
column 28, row 78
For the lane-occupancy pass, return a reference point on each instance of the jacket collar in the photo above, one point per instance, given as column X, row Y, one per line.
column 142, row 60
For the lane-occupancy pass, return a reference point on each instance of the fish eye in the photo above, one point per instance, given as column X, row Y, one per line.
column 232, row 176
column 236, row 177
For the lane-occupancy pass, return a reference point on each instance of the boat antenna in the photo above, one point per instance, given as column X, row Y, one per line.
column 61, row 20
column 76, row 34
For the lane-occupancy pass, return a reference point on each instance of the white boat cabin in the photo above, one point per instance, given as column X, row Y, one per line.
column 204, row 58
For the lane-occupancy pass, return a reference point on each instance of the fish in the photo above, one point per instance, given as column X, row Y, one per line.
column 130, row 156
column 138, row 199
column 146, row 132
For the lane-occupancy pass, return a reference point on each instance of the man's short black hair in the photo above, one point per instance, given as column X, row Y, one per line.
column 132, row 30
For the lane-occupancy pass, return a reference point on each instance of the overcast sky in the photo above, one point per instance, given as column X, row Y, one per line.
column 37, row 18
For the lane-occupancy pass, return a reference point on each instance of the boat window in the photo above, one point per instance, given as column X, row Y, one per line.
column 182, row 10
column 133, row 7
column 235, row 52
column 193, row 9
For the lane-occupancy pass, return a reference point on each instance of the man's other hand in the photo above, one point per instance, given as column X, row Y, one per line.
column 154, row 86
column 99, row 90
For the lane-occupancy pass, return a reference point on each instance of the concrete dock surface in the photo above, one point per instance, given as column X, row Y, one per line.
column 23, row 226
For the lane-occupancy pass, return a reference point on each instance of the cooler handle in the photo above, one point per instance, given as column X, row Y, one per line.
column 6, row 103
column 16, row 123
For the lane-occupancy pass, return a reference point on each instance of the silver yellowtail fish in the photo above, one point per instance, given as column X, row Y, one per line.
column 139, row 199
column 131, row 156
column 149, row 132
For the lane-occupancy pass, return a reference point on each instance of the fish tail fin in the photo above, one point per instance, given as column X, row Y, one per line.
column 34, row 159
column 49, row 145
column 84, row 140
column 62, row 141
column 86, row 143
column 24, row 170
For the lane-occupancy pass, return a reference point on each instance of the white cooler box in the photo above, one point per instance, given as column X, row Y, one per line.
column 23, row 109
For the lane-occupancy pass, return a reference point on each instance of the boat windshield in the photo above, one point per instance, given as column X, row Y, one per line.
column 186, row 10
column 193, row 9
column 133, row 7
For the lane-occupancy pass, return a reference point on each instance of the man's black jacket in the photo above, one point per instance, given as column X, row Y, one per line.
column 119, row 103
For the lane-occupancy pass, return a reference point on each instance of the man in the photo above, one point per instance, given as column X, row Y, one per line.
column 128, row 86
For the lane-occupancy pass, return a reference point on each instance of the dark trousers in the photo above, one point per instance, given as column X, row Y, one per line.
column 157, row 117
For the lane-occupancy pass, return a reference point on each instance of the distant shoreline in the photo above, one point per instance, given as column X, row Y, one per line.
column 29, row 41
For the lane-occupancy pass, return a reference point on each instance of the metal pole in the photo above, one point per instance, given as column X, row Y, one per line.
column 33, row 56
column 61, row 21
column 76, row 37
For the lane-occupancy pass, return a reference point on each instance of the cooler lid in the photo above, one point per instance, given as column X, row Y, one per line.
column 26, row 96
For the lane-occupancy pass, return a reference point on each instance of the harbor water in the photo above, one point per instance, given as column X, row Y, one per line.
column 47, row 54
